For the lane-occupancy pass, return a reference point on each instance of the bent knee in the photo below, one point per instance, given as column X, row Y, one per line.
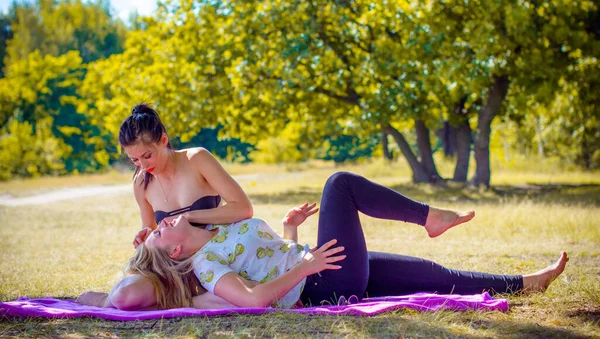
column 338, row 178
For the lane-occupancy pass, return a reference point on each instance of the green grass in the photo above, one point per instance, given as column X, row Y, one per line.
column 64, row 248
column 31, row 186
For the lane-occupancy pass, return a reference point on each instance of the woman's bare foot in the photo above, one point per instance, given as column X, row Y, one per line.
column 540, row 280
column 91, row 298
column 439, row 220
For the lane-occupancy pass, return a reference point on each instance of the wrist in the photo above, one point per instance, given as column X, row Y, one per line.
column 304, row 267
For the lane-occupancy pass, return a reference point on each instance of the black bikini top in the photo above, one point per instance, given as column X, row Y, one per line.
column 204, row 203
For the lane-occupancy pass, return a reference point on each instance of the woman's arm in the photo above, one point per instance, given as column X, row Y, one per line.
column 146, row 211
column 294, row 218
column 209, row 300
column 232, row 288
column 238, row 205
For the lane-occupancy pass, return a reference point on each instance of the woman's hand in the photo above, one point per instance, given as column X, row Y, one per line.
column 141, row 236
column 90, row 298
column 298, row 215
column 322, row 258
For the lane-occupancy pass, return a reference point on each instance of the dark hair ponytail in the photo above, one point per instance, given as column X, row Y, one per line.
column 143, row 125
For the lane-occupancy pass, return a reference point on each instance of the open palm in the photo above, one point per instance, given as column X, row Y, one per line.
column 298, row 215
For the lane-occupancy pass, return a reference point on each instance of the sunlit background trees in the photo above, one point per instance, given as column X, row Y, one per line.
column 288, row 81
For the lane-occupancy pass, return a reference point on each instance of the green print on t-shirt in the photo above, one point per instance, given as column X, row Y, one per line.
column 265, row 235
column 243, row 228
column 262, row 252
column 271, row 275
column 212, row 256
column 245, row 275
column 285, row 247
column 239, row 249
column 207, row 278
column 219, row 238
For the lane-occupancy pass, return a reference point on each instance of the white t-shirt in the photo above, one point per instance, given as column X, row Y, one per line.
column 254, row 251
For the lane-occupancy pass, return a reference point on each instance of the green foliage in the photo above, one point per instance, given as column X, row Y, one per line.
column 25, row 151
column 5, row 35
column 305, row 79
column 42, row 87
column 234, row 150
column 50, row 42
column 56, row 27
column 347, row 148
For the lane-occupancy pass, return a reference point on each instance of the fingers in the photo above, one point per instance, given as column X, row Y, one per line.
column 327, row 245
column 140, row 237
column 334, row 251
column 309, row 213
column 335, row 259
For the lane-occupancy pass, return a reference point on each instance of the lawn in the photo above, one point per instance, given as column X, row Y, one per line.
column 63, row 248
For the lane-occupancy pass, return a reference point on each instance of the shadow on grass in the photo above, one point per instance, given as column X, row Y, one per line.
column 291, row 197
column 393, row 324
column 591, row 316
column 517, row 329
column 588, row 194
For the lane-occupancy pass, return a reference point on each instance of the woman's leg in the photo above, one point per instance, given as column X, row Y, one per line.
column 394, row 274
column 344, row 195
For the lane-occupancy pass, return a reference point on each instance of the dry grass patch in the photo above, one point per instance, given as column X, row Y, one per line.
column 62, row 249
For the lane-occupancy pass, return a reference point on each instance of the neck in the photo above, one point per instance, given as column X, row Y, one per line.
column 197, row 239
column 171, row 166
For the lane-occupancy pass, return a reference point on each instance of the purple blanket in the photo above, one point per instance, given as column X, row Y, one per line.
column 55, row 308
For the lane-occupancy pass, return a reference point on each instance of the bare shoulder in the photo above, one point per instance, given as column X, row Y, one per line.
column 138, row 183
column 138, row 179
column 200, row 157
column 196, row 152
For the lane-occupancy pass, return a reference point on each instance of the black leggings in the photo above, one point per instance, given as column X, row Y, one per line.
column 373, row 274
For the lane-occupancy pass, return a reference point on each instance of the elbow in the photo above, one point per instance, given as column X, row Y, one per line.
column 248, row 211
column 127, row 298
column 253, row 299
column 259, row 302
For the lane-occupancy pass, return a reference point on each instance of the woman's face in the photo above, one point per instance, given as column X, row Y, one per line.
column 150, row 157
column 170, row 234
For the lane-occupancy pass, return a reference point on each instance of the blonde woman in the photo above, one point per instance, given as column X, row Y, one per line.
column 225, row 257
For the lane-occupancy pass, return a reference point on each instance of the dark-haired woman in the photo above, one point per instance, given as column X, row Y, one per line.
column 168, row 183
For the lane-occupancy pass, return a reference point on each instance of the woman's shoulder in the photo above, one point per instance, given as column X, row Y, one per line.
column 254, row 222
column 198, row 157
column 138, row 182
column 194, row 152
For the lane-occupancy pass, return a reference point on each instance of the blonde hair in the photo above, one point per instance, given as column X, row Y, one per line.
column 174, row 281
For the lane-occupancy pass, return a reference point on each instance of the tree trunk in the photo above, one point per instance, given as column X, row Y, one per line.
column 419, row 174
column 538, row 131
column 463, row 143
column 447, row 135
column 484, row 122
column 424, row 145
column 384, row 144
column 463, row 151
